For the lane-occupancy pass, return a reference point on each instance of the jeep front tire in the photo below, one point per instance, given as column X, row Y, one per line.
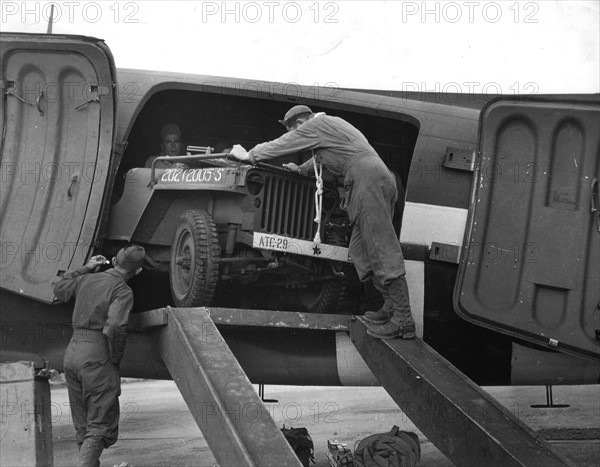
column 194, row 266
column 327, row 296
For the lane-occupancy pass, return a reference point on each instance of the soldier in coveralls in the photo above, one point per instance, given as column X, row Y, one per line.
column 102, row 305
column 371, row 193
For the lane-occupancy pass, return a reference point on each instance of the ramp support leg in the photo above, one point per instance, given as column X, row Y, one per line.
column 549, row 401
column 26, row 423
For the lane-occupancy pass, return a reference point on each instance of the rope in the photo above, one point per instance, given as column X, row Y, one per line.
column 318, row 197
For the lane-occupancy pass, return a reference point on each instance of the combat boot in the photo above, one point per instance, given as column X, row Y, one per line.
column 384, row 314
column 89, row 453
column 389, row 330
column 398, row 291
column 402, row 323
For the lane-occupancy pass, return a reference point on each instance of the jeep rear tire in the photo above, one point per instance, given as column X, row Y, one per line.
column 195, row 253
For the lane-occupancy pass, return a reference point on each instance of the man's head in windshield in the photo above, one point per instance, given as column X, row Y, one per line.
column 170, row 140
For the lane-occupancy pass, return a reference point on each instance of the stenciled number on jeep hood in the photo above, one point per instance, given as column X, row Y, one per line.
column 211, row 175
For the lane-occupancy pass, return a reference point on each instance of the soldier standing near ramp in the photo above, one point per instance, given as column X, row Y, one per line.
column 371, row 193
column 102, row 305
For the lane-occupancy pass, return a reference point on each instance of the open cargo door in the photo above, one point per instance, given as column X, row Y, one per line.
column 532, row 261
column 57, row 118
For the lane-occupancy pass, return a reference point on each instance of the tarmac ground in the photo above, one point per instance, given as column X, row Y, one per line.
column 157, row 429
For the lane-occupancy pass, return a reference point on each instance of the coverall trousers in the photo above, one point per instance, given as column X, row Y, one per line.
column 374, row 246
column 94, row 387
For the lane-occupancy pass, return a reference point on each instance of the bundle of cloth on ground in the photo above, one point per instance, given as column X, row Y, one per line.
column 394, row 449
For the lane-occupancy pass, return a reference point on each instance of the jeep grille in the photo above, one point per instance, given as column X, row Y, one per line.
column 288, row 207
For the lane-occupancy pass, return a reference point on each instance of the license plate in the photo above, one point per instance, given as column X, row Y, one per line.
column 299, row 247
column 210, row 175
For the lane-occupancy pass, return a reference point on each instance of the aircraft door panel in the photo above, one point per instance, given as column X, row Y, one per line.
column 532, row 268
column 51, row 171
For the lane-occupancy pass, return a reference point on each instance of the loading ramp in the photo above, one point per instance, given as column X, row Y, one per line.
column 464, row 422
column 231, row 416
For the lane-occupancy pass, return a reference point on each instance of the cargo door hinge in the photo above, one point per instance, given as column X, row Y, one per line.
column 444, row 252
column 460, row 159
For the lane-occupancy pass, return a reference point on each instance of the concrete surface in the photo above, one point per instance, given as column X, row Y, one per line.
column 157, row 430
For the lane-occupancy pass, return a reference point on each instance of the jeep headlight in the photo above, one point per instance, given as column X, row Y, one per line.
column 255, row 183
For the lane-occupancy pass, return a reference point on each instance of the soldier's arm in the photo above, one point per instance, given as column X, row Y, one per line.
column 115, row 327
column 66, row 287
column 307, row 168
column 301, row 139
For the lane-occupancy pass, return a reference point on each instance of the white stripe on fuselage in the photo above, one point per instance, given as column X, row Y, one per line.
column 423, row 224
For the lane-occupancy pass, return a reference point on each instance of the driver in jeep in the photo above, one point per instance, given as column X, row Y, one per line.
column 170, row 145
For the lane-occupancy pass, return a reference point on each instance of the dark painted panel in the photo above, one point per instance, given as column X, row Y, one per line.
column 46, row 146
column 532, row 266
column 58, row 119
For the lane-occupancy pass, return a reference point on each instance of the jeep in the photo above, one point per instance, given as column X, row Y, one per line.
column 222, row 222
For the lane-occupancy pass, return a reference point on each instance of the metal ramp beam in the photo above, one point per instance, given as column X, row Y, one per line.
column 233, row 420
column 464, row 422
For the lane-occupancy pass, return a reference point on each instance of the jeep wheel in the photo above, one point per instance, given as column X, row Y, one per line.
column 326, row 296
column 194, row 260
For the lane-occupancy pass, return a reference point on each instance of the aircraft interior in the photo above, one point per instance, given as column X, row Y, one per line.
column 221, row 120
